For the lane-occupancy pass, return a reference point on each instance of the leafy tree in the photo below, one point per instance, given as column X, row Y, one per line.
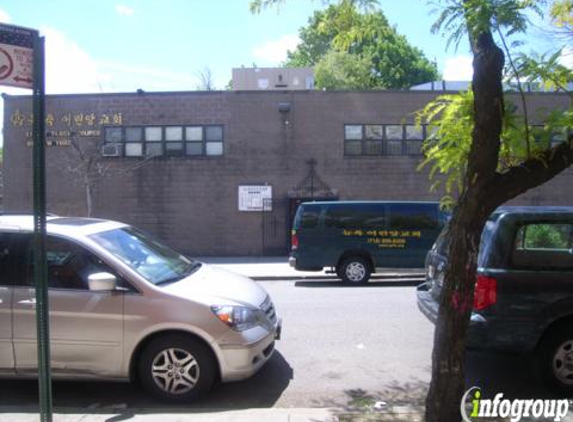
column 547, row 236
column 562, row 16
column 348, row 32
column 489, row 155
column 493, row 156
column 341, row 70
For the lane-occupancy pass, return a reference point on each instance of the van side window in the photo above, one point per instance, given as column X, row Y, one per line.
column 70, row 265
column 309, row 217
column 544, row 246
column 368, row 216
column 413, row 216
column 13, row 247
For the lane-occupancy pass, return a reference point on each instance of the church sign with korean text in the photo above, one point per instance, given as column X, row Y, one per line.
column 61, row 128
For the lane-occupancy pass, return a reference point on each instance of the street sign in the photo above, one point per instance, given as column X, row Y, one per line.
column 17, row 56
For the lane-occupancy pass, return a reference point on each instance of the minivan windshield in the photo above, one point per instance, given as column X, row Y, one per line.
column 154, row 261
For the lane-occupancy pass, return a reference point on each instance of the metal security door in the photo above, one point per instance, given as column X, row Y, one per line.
column 275, row 227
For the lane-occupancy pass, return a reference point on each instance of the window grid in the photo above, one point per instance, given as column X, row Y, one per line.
column 383, row 139
column 166, row 141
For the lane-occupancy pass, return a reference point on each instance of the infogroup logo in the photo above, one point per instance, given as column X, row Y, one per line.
column 554, row 410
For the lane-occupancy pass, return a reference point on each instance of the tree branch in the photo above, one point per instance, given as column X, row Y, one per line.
column 535, row 171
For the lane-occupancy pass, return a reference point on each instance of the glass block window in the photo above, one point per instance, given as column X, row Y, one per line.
column 214, row 140
column 133, row 141
column 353, row 132
column 194, row 140
column 133, row 134
column 174, row 141
column 133, row 150
column 113, row 135
column 165, row 141
column 414, row 139
column 153, row 141
column 153, row 134
column 383, row 139
column 394, row 132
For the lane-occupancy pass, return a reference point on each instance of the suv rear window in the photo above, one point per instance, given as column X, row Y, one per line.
column 544, row 246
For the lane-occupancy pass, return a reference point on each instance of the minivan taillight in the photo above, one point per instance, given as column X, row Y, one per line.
column 293, row 240
column 485, row 292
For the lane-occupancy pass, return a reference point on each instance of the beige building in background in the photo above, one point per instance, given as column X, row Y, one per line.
column 272, row 79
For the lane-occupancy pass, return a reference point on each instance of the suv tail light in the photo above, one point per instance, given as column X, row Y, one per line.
column 485, row 292
column 294, row 240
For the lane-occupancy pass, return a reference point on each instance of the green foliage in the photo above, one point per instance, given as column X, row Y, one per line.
column 342, row 33
column 256, row 6
column 545, row 236
column 545, row 69
column 450, row 117
column 450, row 122
column 472, row 17
column 562, row 15
column 340, row 70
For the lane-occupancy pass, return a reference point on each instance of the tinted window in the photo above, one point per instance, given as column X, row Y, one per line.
column 70, row 265
column 413, row 216
column 352, row 216
column 13, row 257
column 309, row 217
column 544, row 245
column 544, row 236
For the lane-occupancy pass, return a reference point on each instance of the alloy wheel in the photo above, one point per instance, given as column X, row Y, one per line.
column 175, row 371
column 563, row 363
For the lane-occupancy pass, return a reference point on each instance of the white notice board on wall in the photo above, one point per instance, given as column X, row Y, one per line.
column 251, row 197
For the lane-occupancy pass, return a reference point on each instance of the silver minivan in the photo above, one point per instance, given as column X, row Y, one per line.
column 123, row 306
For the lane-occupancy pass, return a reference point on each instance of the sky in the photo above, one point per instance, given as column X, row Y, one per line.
column 95, row 46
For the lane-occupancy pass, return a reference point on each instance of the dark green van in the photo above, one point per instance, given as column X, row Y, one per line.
column 354, row 238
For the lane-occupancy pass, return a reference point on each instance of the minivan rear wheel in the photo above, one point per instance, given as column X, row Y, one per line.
column 176, row 368
column 355, row 270
column 556, row 360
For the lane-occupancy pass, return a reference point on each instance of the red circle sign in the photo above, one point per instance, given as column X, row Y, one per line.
column 6, row 64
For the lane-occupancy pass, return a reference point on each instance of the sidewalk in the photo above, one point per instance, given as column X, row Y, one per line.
column 405, row 414
column 277, row 268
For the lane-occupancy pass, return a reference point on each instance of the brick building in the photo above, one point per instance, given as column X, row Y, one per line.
column 195, row 168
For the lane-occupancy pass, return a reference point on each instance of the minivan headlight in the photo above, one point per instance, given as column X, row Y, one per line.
column 239, row 318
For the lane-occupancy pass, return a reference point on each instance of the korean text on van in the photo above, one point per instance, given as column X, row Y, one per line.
column 355, row 238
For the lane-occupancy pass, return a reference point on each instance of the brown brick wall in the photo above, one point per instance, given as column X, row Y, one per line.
column 192, row 203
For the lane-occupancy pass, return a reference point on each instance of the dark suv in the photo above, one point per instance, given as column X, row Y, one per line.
column 524, row 289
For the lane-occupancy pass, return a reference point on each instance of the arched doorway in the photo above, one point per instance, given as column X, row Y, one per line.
column 279, row 214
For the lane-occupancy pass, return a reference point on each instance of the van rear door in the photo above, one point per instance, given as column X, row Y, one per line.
column 308, row 238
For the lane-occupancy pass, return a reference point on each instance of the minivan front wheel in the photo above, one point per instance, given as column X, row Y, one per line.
column 556, row 360
column 355, row 270
column 176, row 368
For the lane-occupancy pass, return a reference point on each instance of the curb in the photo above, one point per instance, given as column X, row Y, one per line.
column 406, row 279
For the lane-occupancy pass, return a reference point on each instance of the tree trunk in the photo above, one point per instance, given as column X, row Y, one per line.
column 89, row 206
column 475, row 204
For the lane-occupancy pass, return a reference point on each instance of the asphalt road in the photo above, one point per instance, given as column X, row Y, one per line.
column 343, row 347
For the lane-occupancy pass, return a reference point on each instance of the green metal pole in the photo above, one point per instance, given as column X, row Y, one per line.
column 40, row 264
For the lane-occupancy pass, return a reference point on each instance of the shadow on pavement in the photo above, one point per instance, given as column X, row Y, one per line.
column 261, row 391
column 403, row 400
column 370, row 284
column 514, row 375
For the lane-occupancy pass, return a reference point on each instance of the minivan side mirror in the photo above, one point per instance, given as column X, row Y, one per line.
column 102, row 282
